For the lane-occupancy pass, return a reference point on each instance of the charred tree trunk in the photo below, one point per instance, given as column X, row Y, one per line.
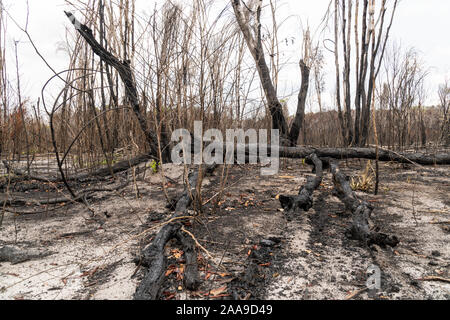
column 284, row 152
column 338, row 77
column 254, row 44
column 360, row 89
column 154, row 258
column 355, row 153
column 366, row 153
column 361, row 211
column 300, row 115
column 346, row 71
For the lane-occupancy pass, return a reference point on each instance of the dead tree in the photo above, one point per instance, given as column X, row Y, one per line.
column 344, row 129
column 371, row 38
column 84, row 177
column 361, row 211
column 127, row 77
column 404, row 89
column 3, row 79
column 299, row 119
column 252, row 36
column 444, row 97
column 254, row 44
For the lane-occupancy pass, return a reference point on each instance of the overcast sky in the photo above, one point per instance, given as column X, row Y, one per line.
column 421, row 24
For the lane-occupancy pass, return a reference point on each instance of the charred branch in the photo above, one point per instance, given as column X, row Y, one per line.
column 91, row 176
column 367, row 153
column 361, row 210
column 304, row 199
column 153, row 256
column 299, row 119
column 126, row 75
column 85, row 195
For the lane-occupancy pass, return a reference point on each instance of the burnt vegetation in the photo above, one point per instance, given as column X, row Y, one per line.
column 132, row 80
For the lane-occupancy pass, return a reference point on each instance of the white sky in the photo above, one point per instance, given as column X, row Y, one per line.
column 420, row 24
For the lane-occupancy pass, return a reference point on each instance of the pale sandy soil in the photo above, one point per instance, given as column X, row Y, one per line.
column 75, row 257
column 95, row 265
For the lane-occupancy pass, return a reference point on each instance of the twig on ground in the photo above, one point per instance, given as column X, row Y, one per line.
column 355, row 293
column 197, row 243
column 434, row 278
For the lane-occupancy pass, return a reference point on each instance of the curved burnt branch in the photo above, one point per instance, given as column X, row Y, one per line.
column 304, row 199
column 361, row 211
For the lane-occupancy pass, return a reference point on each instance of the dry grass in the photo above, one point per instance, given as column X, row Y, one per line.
column 365, row 181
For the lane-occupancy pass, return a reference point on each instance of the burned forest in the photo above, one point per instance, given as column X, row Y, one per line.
column 222, row 150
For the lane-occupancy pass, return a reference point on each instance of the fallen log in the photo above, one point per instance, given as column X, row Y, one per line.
column 153, row 256
column 26, row 176
column 366, row 153
column 252, row 152
column 100, row 173
column 117, row 168
column 284, row 152
column 304, row 199
column 87, row 194
column 361, row 211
